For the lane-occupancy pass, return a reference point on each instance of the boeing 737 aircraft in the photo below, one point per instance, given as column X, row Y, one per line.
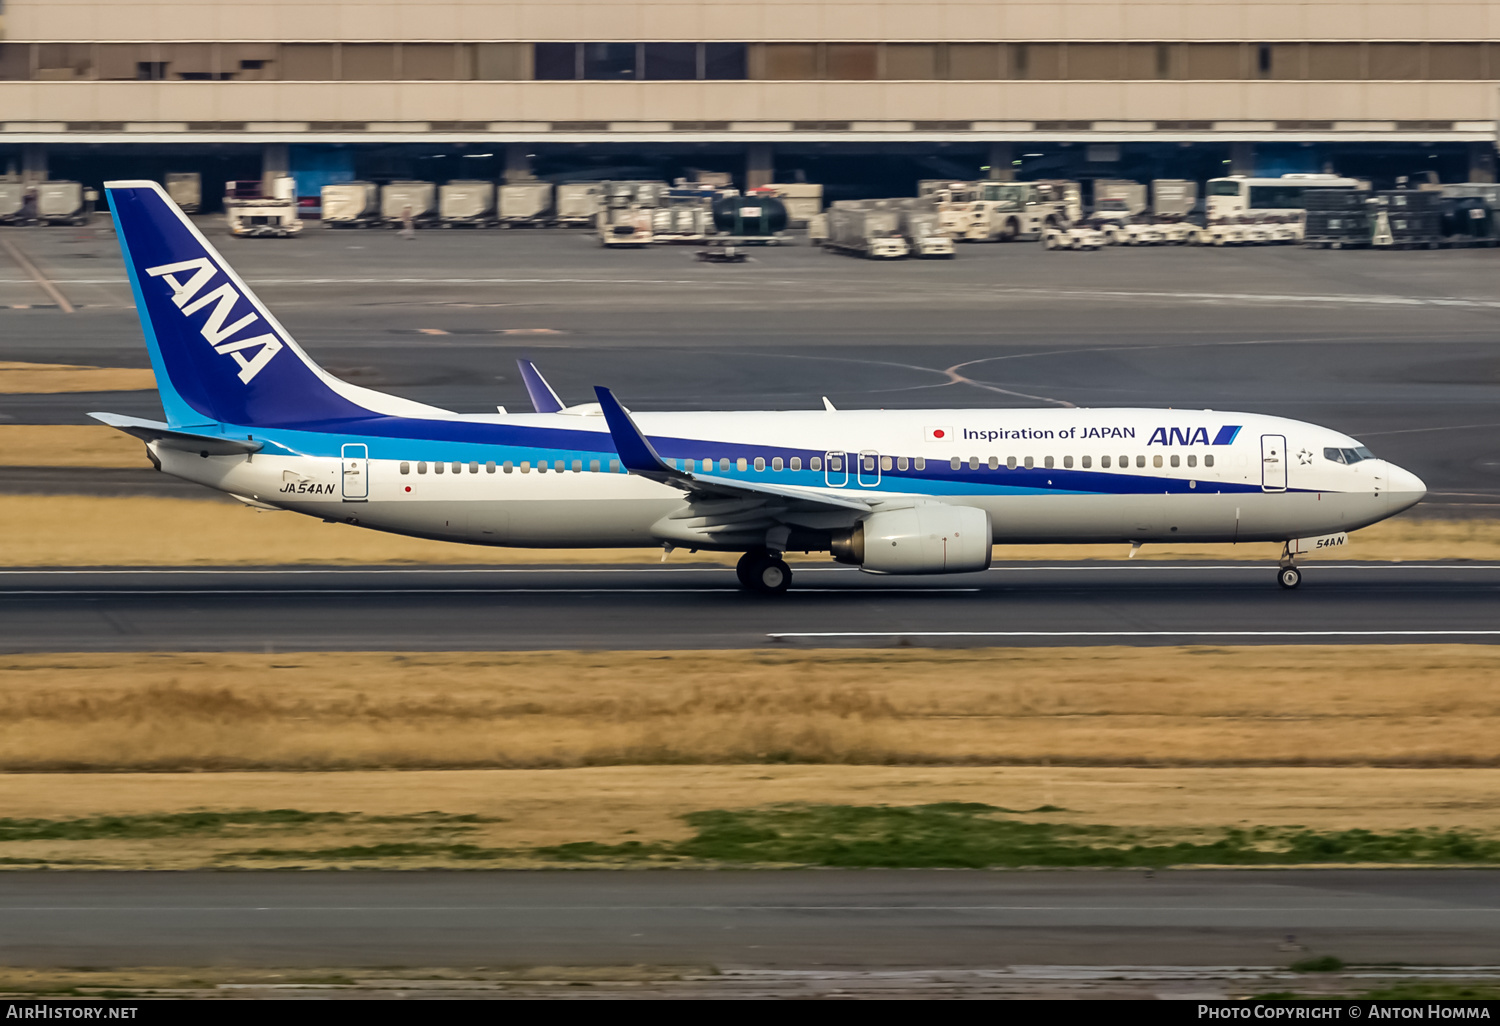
column 890, row 491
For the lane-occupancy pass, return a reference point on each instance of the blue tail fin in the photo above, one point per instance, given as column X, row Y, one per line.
column 218, row 354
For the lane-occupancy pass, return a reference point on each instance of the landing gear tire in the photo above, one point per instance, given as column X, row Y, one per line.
column 763, row 572
column 1289, row 577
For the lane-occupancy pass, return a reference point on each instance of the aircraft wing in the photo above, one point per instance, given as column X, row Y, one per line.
column 639, row 456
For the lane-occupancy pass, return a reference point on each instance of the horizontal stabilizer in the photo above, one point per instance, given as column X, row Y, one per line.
column 176, row 438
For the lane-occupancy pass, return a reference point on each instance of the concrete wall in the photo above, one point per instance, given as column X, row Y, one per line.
column 748, row 20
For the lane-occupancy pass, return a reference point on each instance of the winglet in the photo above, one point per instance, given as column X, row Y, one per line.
column 637, row 453
column 543, row 399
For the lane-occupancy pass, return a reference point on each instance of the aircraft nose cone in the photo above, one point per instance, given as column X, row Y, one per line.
column 1404, row 488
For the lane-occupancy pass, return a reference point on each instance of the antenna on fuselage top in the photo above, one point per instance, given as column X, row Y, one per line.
column 543, row 399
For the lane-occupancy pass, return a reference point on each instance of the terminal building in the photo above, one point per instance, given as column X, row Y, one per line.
column 866, row 96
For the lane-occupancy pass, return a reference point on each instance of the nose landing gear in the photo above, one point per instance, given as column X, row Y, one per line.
column 1287, row 575
column 764, row 572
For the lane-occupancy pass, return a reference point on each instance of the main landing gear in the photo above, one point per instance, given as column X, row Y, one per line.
column 1287, row 575
column 764, row 572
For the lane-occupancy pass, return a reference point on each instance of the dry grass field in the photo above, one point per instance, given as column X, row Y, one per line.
column 70, row 445
column 1397, row 706
column 76, row 530
column 37, row 378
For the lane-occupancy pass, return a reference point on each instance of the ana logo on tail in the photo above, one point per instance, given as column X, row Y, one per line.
column 214, row 330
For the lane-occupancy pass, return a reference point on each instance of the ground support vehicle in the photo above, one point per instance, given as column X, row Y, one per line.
column 408, row 200
column 803, row 200
column 1072, row 237
column 525, row 205
column 1257, row 232
column 721, row 255
column 1220, row 233
column 469, row 202
column 747, row 220
column 923, row 232
column 65, row 203
column 1175, row 231
column 578, row 203
column 251, row 213
column 625, row 227
column 861, row 228
column 1468, row 221
column 13, row 202
column 817, row 230
column 351, row 205
column 686, row 214
column 1130, row 196
column 186, row 190
column 1173, row 197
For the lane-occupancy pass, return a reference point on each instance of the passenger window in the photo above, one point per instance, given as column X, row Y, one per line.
column 1176, row 460
column 541, row 466
column 489, row 468
column 1156, row 461
column 1048, row 463
column 869, row 462
column 776, row 463
column 760, row 463
column 1208, row 460
column 560, row 465
column 973, row 462
column 578, row 466
column 1192, row 461
column 835, row 463
column 422, row 467
column 473, row 467
column 458, row 468
column 1088, row 461
column 437, row 468
column 1103, row 462
column 796, row 462
column 1030, row 463
column 525, row 467
column 593, row 466
column 406, row 468
column 1140, row 461
column 1068, row 463
column 510, row 468
column 994, row 462
column 921, row 463
column 614, row 466
column 955, row 463
column 885, row 463
column 815, row 463
column 723, row 464
column 902, row 463
column 741, row 464
column 1010, row 463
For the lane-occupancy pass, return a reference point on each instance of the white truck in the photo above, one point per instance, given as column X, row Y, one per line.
column 251, row 212
column 866, row 228
column 351, row 205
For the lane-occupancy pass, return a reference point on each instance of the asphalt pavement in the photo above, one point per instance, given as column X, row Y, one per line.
column 737, row 919
column 700, row 607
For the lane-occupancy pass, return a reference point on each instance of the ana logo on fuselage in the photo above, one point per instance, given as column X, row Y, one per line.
column 1193, row 436
column 217, row 333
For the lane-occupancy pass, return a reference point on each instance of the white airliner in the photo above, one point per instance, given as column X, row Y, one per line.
column 893, row 492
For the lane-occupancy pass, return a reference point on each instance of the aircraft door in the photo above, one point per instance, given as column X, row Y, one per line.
column 356, row 473
column 867, row 469
column 1273, row 463
column 835, row 469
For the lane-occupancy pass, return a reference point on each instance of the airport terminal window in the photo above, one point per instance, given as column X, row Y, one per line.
column 555, row 61
column 609, row 61
column 406, row 468
column 1208, row 461
column 671, row 61
column 725, row 60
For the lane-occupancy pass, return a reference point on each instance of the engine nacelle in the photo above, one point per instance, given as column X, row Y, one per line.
column 929, row 539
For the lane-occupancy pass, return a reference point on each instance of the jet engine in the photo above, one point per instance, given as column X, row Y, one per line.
column 928, row 539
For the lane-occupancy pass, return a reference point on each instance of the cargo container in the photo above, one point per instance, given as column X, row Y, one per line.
column 185, row 188
column 803, row 201
column 525, row 203
column 866, row 228
column 1337, row 218
column 351, row 205
column 64, row 203
column 1407, row 219
column 408, row 198
column 1468, row 221
column 1173, row 197
column 467, row 201
column 577, row 203
column 252, row 213
column 12, row 201
column 1132, row 195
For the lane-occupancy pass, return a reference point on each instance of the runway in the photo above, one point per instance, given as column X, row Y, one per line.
column 699, row 607
column 738, row 919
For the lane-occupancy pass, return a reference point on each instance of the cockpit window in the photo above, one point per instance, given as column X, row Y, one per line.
column 1348, row 455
